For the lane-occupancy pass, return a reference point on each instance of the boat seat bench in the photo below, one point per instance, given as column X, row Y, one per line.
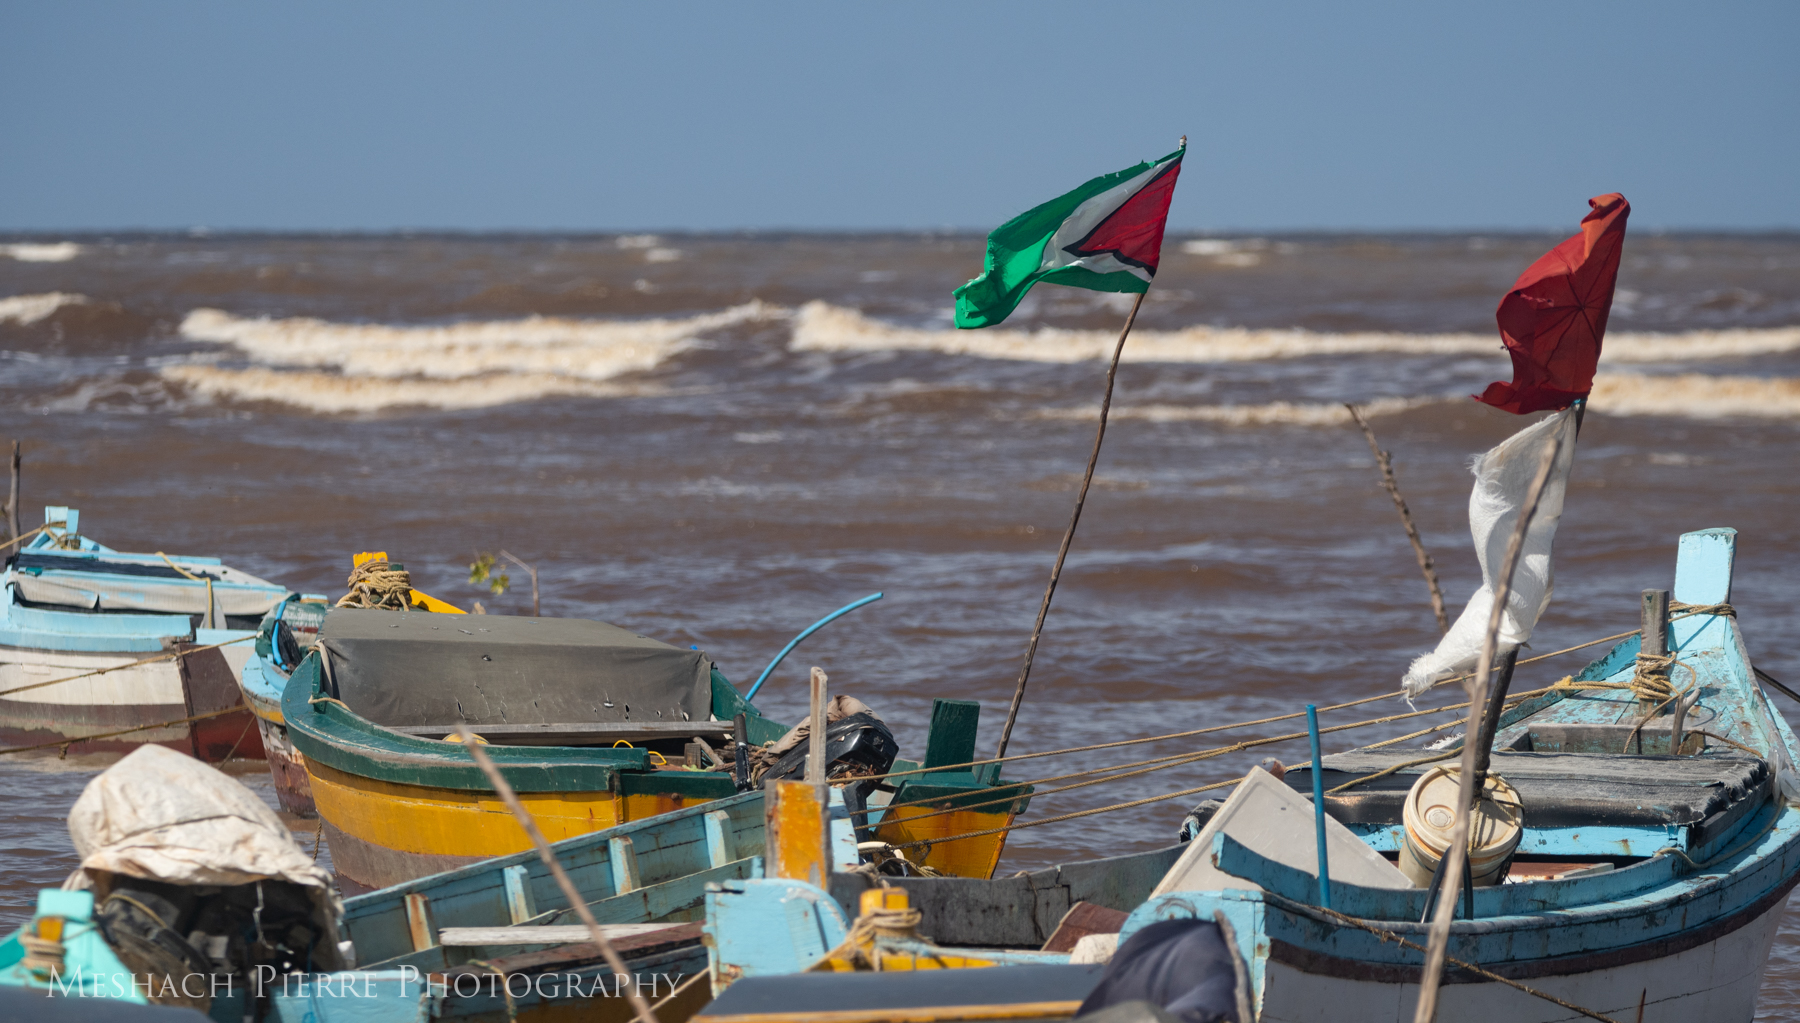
column 1708, row 794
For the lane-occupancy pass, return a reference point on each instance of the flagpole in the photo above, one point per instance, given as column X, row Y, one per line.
column 1012, row 713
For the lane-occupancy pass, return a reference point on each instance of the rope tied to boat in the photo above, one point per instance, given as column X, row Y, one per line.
column 1650, row 680
column 379, row 585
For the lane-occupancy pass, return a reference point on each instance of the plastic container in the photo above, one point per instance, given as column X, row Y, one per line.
column 1430, row 812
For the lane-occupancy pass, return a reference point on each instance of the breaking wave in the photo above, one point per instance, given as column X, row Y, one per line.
column 1275, row 413
column 1683, row 396
column 1696, row 396
column 39, row 252
column 338, row 368
column 334, row 393
column 821, row 327
column 583, row 349
column 25, row 310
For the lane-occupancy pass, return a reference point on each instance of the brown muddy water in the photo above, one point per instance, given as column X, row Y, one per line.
column 716, row 440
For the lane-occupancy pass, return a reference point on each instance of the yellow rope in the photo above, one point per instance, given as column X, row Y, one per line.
column 22, row 537
column 1258, row 721
column 378, row 584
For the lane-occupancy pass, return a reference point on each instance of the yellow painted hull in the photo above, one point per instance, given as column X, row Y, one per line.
column 963, row 857
column 384, row 833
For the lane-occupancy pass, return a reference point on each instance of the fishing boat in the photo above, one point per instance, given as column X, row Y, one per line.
column 283, row 637
column 102, row 650
column 594, row 725
column 1646, row 855
column 494, row 940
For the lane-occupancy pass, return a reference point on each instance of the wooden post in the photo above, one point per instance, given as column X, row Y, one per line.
column 1087, row 478
column 12, row 497
column 1456, row 857
column 794, row 845
column 1654, row 620
column 815, row 757
column 1490, row 717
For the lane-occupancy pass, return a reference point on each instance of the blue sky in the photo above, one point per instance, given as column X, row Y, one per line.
column 713, row 116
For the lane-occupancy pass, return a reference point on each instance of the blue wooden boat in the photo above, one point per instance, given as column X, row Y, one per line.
column 451, row 946
column 151, row 647
column 1655, row 860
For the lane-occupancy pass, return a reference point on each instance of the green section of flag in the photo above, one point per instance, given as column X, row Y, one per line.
column 1015, row 254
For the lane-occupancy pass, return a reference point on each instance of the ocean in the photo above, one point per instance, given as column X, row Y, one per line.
column 717, row 439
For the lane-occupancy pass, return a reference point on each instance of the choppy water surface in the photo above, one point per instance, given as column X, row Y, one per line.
column 716, row 440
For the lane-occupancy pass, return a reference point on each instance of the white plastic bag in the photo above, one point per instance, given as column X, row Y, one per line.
column 1502, row 481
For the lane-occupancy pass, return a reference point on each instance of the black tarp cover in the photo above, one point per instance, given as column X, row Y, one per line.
column 399, row 668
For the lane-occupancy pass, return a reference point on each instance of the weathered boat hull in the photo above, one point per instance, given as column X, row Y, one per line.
column 1700, row 979
column 171, row 693
column 262, row 683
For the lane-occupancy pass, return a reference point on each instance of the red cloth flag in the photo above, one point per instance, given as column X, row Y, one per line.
column 1555, row 315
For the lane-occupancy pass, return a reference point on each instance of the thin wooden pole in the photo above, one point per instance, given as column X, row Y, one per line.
column 1456, row 856
column 570, row 892
column 530, row 570
column 12, row 496
column 1087, row 478
column 1384, row 460
column 815, row 756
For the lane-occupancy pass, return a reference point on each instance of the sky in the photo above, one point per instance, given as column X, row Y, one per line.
column 921, row 116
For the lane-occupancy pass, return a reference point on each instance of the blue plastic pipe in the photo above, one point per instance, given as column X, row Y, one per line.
column 810, row 629
column 1318, row 779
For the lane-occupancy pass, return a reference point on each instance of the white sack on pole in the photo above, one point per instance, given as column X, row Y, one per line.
column 1502, row 481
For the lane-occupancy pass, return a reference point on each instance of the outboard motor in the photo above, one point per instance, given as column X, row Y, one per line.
column 855, row 747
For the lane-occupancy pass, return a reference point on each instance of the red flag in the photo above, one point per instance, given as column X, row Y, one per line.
column 1555, row 315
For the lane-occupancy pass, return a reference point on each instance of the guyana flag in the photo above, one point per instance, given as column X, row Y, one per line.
column 1104, row 236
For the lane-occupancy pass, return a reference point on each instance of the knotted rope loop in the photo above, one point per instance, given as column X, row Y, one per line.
column 1650, row 682
column 378, row 584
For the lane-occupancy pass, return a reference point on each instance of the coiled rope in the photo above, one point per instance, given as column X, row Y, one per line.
column 379, row 585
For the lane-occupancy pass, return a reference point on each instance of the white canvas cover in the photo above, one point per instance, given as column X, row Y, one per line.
column 164, row 816
column 1502, row 479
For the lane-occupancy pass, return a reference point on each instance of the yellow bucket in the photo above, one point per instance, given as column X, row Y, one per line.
column 1430, row 812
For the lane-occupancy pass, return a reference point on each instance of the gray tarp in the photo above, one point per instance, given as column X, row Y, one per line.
column 400, row 668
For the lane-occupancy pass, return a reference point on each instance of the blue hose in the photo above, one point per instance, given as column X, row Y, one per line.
column 810, row 629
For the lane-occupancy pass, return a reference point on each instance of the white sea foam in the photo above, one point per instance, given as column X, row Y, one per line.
column 1683, row 396
column 28, row 309
column 1275, row 413
column 827, row 328
column 335, row 393
column 53, row 252
column 582, row 349
column 1696, row 396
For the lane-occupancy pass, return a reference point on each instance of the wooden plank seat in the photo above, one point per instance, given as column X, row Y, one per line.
column 1707, row 794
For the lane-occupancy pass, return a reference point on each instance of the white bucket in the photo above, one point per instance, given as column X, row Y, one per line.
column 1430, row 812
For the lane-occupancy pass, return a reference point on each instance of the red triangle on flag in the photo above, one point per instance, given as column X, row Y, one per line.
column 1133, row 233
